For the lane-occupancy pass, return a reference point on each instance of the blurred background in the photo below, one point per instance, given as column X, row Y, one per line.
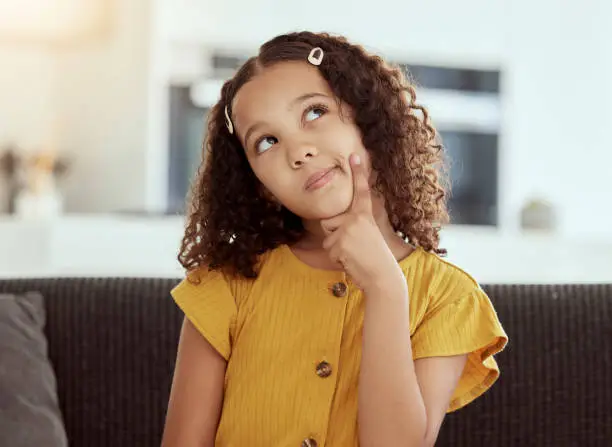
column 103, row 104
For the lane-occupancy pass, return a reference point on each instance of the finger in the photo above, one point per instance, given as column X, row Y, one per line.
column 362, row 200
column 335, row 254
column 330, row 241
column 333, row 223
column 331, row 247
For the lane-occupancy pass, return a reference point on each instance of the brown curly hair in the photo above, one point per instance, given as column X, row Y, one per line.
column 230, row 220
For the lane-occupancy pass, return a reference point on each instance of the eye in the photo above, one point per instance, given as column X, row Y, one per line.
column 265, row 143
column 315, row 112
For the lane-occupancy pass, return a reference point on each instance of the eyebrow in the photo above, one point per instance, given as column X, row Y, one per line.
column 300, row 99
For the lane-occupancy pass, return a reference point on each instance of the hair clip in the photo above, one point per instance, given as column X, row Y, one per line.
column 228, row 122
column 316, row 56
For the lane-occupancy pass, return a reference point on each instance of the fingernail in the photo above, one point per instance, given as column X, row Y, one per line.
column 357, row 159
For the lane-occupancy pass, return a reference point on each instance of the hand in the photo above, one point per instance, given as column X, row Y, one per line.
column 354, row 239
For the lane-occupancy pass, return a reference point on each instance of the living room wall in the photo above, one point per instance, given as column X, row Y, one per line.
column 556, row 63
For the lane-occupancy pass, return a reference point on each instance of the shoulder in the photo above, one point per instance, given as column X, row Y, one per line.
column 280, row 263
column 201, row 282
column 434, row 278
column 453, row 316
column 205, row 281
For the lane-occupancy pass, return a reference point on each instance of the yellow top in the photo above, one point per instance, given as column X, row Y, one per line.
column 292, row 339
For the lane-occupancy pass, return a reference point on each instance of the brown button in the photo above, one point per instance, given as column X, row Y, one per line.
column 309, row 443
column 339, row 289
column 324, row 369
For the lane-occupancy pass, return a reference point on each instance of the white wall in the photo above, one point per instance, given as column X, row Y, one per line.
column 91, row 99
column 433, row 30
column 27, row 99
column 103, row 91
column 557, row 62
column 27, row 93
column 558, row 114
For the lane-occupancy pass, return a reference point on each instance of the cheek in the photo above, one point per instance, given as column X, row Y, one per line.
column 351, row 136
column 356, row 147
column 269, row 176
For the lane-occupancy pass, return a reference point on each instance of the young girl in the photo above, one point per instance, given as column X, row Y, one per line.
column 318, row 311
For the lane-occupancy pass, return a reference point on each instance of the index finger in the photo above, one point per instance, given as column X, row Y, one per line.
column 362, row 201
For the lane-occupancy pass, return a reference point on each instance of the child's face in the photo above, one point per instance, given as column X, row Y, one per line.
column 298, row 140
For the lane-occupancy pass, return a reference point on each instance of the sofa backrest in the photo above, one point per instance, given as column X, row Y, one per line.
column 555, row 387
column 112, row 343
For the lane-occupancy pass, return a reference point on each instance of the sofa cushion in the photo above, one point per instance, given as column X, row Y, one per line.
column 29, row 410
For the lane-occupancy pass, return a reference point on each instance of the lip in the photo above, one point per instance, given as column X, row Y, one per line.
column 319, row 179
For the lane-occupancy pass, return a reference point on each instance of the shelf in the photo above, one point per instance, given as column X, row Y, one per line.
column 118, row 245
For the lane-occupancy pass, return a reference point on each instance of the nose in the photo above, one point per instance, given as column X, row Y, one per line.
column 300, row 153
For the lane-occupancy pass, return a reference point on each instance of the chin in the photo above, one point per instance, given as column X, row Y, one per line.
column 325, row 210
column 323, row 205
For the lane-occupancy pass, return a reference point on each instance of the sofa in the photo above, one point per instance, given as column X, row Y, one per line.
column 112, row 344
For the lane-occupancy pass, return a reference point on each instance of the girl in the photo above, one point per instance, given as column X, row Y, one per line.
column 318, row 311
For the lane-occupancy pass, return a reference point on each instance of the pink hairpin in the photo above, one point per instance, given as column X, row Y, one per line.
column 316, row 56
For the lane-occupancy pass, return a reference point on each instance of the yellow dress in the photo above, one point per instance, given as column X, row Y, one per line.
column 293, row 338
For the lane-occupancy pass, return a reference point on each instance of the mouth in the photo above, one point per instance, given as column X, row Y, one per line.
column 320, row 179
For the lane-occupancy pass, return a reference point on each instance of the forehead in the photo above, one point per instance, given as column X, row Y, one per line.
column 275, row 87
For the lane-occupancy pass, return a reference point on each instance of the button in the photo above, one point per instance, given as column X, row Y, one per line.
column 339, row 289
column 324, row 369
column 309, row 443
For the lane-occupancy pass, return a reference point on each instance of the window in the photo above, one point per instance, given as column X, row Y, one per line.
column 464, row 107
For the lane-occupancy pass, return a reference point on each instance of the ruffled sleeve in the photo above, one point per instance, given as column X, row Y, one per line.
column 467, row 325
column 210, row 307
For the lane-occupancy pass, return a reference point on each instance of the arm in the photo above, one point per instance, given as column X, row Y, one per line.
column 401, row 402
column 438, row 377
column 196, row 397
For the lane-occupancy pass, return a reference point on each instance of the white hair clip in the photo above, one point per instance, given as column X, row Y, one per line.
column 228, row 122
column 316, row 56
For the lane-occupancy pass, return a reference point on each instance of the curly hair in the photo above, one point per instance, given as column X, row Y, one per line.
column 231, row 222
